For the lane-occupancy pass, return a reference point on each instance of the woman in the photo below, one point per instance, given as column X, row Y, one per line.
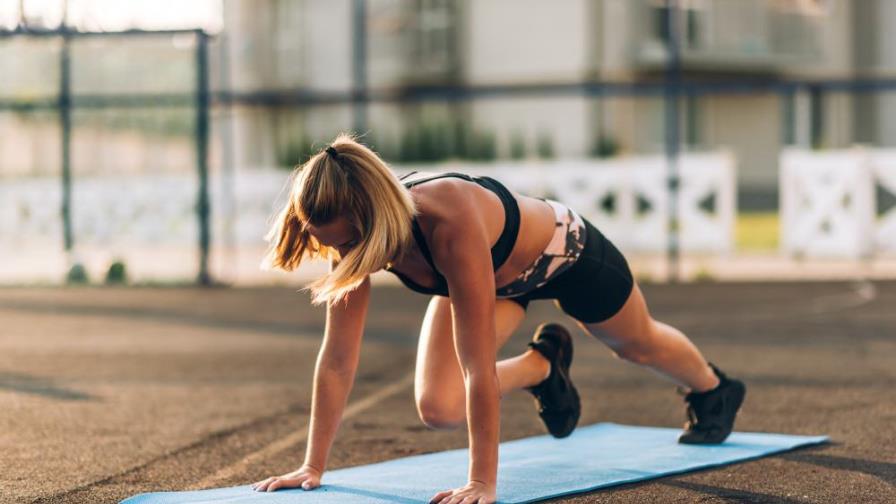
column 484, row 253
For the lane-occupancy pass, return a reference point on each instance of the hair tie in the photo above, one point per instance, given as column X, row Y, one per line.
column 332, row 152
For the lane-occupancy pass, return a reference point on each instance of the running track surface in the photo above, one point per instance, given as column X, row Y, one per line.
column 105, row 393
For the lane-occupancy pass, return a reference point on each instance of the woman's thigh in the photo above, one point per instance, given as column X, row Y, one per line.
column 438, row 373
column 601, row 294
column 629, row 332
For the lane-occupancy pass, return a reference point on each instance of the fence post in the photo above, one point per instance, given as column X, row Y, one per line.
column 202, row 136
column 359, row 65
column 65, row 122
column 672, row 94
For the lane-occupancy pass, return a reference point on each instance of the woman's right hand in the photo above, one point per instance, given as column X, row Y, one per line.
column 306, row 477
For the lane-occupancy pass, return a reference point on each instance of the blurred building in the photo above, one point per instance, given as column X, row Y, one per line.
column 289, row 68
column 470, row 79
column 282, row 47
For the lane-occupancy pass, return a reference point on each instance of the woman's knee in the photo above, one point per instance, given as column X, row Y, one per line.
column 437, row 412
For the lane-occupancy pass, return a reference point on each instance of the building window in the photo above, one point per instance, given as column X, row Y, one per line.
column 287, row 41
column 435, row 50
column 689, row 22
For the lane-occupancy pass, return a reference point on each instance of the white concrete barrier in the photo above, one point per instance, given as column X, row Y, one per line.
column 626, row 198
column 827, row 206
column 829, row 202
column 29, row 213
column 708, row 202
column 883, row 166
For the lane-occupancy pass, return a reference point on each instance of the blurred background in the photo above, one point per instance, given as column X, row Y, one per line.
column 726, row 146
column 149, row 141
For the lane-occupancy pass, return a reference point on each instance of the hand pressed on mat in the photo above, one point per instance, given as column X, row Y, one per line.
column 475, row 492
column 306, row 477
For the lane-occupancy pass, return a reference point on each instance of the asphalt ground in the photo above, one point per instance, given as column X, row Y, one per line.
column 108, row 392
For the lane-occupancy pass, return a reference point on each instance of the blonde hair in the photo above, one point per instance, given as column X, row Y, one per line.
column 358, row 185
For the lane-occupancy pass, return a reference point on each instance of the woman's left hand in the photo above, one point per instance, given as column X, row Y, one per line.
column 475, row 492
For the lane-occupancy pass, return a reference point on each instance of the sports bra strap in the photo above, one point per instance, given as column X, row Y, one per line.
column 424, row 248
column 502, row 248
column 412, row 183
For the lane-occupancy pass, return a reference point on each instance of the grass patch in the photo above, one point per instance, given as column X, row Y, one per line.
column 757, row 231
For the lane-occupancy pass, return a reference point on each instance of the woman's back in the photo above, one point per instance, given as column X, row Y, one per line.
column 535, row 224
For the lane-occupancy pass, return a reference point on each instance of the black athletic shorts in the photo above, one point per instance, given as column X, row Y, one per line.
column 594, row 288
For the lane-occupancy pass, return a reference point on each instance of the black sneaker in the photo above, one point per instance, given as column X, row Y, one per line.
column 711, row 414
column 556, row 397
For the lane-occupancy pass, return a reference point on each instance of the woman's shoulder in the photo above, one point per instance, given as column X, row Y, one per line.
column 435, row 183
column 441, row 198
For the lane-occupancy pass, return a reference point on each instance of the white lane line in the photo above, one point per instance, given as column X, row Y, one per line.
column 300, row 435
column 861, row 292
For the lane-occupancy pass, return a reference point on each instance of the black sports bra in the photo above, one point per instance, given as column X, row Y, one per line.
column 500, row 251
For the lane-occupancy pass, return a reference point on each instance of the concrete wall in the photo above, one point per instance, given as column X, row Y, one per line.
column 388, row 42
column 875, row 54
column 531, row 41
column 525, row 41
column 747, row 125
column 328, row 34
column 612, row 35
column 564, row 120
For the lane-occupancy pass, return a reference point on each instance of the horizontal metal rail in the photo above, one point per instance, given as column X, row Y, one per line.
column 420, row 93
column 72, row 32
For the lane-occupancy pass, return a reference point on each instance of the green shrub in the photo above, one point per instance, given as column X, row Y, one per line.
column 77, row 275
column 605, row 147
column 409, row 148
column 384, row 147
column 545, row 145
column 431, row 148
column 294, row 152
column 435, row 142
column 517, row 145
column 461, row 140
column 704, row 274
column 117, row 273
column 483, row 147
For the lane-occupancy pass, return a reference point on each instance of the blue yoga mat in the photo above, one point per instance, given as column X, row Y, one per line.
column 531, row 469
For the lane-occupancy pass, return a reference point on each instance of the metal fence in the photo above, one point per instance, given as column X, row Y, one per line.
column 102, row 88
column 159, row 84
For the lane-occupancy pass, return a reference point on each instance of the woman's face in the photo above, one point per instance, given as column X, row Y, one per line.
column 338, row 234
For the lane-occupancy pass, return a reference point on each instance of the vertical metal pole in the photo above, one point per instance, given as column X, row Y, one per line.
column 359, row 65
column 65, row 123
column 802, row 118
column 672, row 93
column 202, row 135
column 816, row 117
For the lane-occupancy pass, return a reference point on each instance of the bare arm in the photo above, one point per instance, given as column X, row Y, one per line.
column 334, row 372
column 461, row 251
